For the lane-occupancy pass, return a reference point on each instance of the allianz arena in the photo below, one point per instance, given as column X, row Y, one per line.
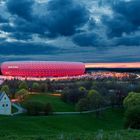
column 42, row 68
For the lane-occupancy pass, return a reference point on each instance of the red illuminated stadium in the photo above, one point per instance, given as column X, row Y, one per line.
column 42, row 68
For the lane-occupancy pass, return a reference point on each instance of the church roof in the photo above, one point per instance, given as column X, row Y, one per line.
column 1, row 95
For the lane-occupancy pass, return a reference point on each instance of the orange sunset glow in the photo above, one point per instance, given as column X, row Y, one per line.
column 113, row 65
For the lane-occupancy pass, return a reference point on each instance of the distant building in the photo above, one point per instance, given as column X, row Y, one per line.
column 5, row 104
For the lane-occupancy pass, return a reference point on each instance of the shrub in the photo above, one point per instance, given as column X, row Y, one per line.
column 132, row 117
column 34, row 108
column 48, row 109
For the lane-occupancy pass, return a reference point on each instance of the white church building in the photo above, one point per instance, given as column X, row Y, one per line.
column 5, row 104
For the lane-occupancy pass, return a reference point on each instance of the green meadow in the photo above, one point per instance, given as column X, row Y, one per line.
column 65, row 127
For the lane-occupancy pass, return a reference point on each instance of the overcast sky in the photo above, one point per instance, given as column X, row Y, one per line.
column 70, row 30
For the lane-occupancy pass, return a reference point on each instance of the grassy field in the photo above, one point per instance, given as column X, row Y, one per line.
column 68, row 127
column 57, row 103
column 99, row 135
column 40, row 125
column 109, row 126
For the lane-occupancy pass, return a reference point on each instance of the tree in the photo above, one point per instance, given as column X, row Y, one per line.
column 43, row 87
column 95, row 100
column 87, row 84
column 113, row 99
column 92, row 92
column 94, row 85
column 132, row 117
column 64, row 95
column 72, row 95
column 21, row 94
column 82, row 89
column 82, row 105
column 23, row 85
column 35, row 87
column 132, row 113
column 5, row 88
column 131, row 100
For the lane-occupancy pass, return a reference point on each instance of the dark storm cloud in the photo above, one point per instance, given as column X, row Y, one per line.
column 125, row 19
column 88, row 39
column 21, row 8
column 2, row 39
column 21, row 36
column 88, row 30
column 128, row 41
column 57, row 18
column 3, row 20
column 19, row 48
column 117, row 25
column 130, row 10
column 65, row 16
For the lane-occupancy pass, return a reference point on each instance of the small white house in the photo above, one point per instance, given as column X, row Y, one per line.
column 5, row 104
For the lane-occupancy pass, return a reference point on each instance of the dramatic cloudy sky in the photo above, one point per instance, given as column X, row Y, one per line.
column 70, row 30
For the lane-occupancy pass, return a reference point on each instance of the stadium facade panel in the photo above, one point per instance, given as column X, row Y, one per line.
column 42, row 68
